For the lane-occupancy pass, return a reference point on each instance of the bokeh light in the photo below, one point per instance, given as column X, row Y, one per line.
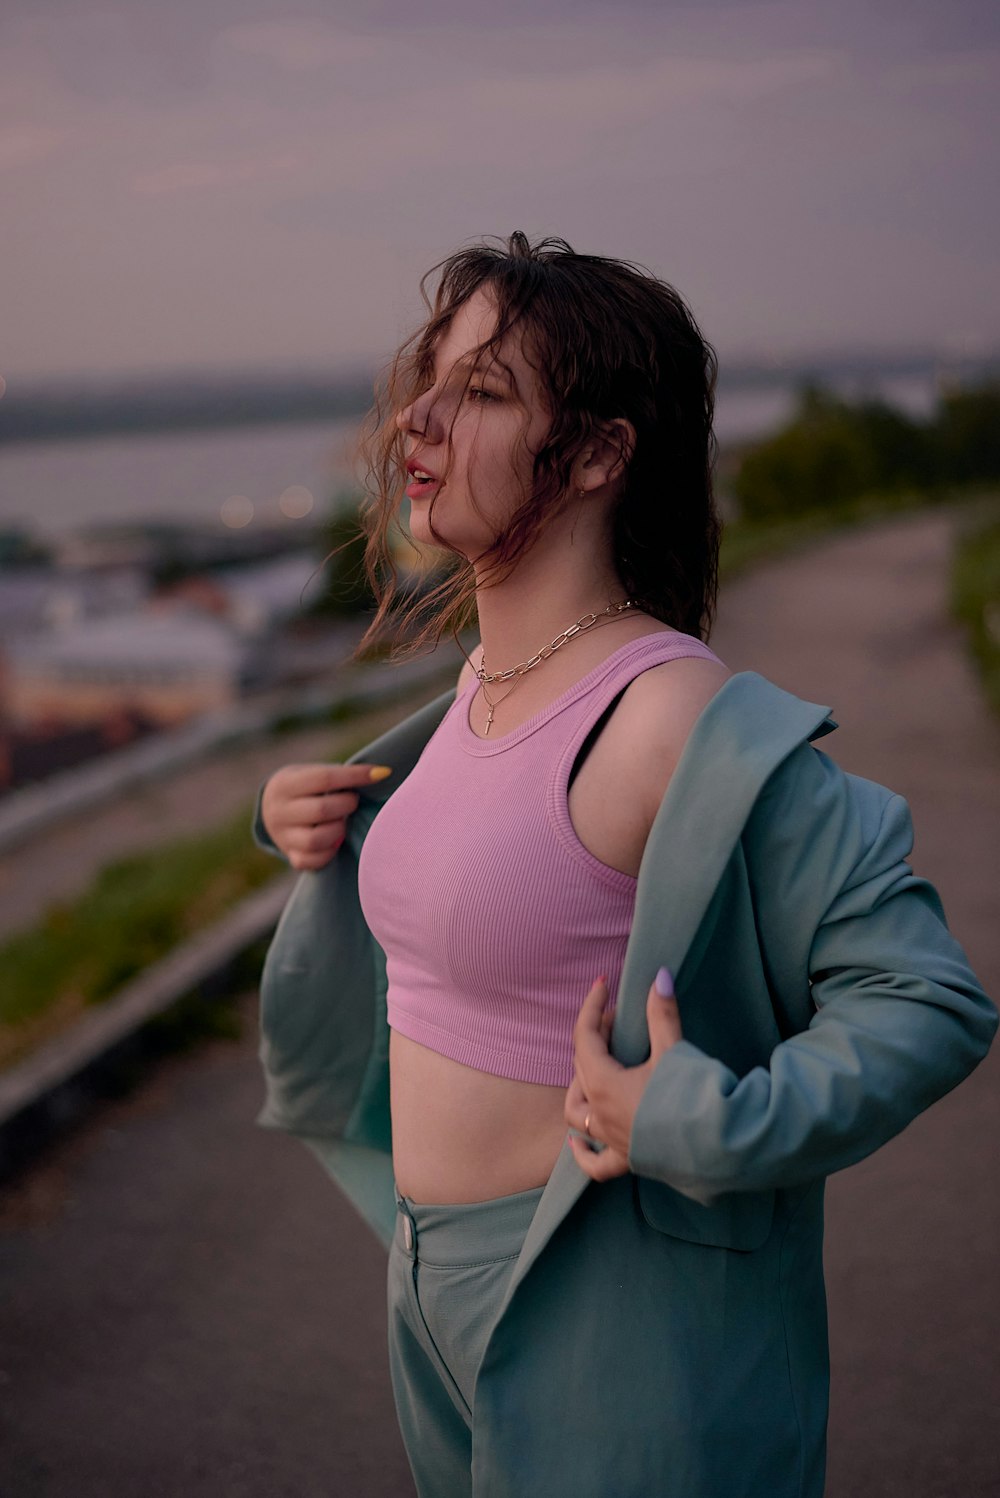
column 236, row 511
column 296, row 502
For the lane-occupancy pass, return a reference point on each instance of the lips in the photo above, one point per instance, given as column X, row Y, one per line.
column 423, row 481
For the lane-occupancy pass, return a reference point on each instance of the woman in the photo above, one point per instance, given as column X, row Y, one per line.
column 634, row 1306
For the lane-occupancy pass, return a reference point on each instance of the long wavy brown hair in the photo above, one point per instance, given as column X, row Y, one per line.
column 608, row 339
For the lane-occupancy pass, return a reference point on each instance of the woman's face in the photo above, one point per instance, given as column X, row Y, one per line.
column 474, row 432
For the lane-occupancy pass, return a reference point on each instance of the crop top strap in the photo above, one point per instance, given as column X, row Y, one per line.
column 608, row 682
column 601, row 700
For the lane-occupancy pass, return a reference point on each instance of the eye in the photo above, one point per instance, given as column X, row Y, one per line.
column 477, row 394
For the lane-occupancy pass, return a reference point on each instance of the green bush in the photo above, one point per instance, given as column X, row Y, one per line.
column 834, row 452
column 137, row 910
column 975, row 601
column 830, row 454
column 967, row 434
column 345, row 586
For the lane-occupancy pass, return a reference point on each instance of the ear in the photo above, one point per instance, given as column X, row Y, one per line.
column 605, row 458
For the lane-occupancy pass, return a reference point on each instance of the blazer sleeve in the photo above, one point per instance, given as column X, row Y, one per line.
column 260, row 834
column 899, row 1017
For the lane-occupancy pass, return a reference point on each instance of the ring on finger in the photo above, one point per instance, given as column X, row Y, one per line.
column 595, row 1146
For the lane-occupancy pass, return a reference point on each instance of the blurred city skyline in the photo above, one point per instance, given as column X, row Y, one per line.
column 261, row 185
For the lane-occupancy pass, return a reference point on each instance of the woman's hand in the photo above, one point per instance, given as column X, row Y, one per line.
column 305, row 809
column 603, row 1096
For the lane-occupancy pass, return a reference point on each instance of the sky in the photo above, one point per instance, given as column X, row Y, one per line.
column 209, row 184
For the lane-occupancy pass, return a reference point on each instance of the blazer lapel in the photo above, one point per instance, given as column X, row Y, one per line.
column 744, row 733
column 741, row 737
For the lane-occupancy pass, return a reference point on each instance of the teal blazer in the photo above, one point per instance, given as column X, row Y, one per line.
column 665, row 1333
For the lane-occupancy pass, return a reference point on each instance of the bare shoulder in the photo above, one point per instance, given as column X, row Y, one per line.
column 657, row 713
column 636, row 754
column 664, row 695
column 468, row 672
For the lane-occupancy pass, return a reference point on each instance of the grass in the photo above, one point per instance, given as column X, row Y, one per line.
column 137, row 910
column 745, row 543
column 975, row 599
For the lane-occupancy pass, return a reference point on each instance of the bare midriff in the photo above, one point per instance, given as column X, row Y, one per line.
column 462, row 1135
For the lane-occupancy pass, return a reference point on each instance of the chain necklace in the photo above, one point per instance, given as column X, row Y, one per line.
column 586, row 622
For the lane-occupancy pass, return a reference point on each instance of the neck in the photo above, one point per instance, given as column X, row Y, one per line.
column 543, row 596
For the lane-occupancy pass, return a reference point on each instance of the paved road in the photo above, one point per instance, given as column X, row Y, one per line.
column 186, row 1307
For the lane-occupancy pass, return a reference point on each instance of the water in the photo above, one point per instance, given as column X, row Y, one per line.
column 199, row 477
column 185, row 476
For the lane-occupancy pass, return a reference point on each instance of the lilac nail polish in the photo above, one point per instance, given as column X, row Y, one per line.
column 664, row 983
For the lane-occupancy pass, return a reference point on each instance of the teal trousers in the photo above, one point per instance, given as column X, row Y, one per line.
column 448, row 1271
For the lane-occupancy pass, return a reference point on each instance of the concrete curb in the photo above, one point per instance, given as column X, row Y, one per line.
column 54, row 1085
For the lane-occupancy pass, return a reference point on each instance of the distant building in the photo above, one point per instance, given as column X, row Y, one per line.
column 265, row 594
column 34, row 600
column 81, row 647
column 163, row 667
column 163, row 546
column 255, row 598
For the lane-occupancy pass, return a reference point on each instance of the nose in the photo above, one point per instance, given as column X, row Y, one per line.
column 416, row 416
column 404, row 419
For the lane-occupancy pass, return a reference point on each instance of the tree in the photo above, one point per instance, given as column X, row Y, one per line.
column 831, row 453
column 346, row 589
column 968, row 434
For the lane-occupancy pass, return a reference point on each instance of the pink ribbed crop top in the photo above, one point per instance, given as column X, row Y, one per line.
column 493, row 916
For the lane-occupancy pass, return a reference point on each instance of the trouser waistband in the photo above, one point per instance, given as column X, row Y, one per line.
column 461, row 1233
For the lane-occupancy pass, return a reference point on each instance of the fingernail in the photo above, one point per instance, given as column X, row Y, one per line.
column 379, row 772
column 664, row 983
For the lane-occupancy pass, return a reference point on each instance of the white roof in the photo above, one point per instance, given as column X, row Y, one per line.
column 33, row 598
column 287, row 585
column 177, row 638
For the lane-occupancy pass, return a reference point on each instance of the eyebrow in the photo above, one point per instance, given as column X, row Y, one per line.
column 488, row 364
column 481, row 362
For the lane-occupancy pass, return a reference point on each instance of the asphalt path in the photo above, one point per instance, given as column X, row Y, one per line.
column 861, row 624
column 188, row 1307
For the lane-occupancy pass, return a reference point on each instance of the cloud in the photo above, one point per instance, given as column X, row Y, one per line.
column 300, row 46
column 211, row 184
column 24, row 145
column 186, row 176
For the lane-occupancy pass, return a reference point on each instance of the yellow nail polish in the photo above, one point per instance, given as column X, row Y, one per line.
column 379, row 772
